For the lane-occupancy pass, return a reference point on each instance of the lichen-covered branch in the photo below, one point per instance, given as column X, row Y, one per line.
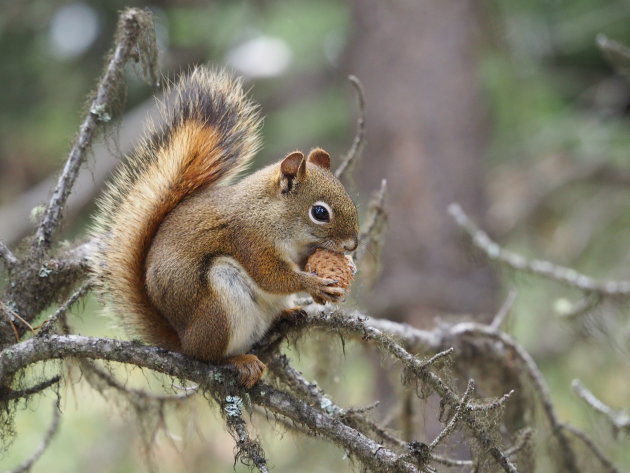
column 320, row 419
column 536, row 377
column 430, row 341
column 372, row 454
column 463, row 404
column 523, row 439
column 357, row 326
column 23, row 354
column 249, row 451
column 424, row 341
column 134, row 25
column 34, row 284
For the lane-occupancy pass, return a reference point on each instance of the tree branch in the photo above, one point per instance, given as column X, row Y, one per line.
column 619, row 419
column 48, row 436
column 536, row 378
column 49, row 324
column 566, row 276
column 359, row 137
column 372, row 454
column 374, row 222
column 463, row 404
column 249, row 451
column 132, row 26
column 430, row 341
column 23, row 354
column 504, row 311
column 606, row 463
column 7, row 256
column 357, row 326
column 10, row 395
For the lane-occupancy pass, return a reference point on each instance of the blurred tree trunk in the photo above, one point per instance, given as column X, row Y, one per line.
column 426, row 131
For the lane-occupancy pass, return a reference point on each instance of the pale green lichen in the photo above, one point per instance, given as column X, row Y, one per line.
column 233, row 406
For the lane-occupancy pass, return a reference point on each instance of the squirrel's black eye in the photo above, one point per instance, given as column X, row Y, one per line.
column 320, row 213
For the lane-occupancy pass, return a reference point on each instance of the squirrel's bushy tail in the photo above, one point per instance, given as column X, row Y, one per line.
column 210, row 132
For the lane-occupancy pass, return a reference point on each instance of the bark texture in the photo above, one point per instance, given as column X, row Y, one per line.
column 426, row 131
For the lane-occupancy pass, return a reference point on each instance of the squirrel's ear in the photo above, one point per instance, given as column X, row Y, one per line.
column 293, row 168
column 320, row 158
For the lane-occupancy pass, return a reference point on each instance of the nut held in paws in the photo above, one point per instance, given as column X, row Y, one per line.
column 331, row 265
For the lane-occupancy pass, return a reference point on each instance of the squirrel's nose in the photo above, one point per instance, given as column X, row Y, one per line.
column 351, row 244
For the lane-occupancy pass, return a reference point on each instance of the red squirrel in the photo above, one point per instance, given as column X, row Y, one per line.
column 200, row 263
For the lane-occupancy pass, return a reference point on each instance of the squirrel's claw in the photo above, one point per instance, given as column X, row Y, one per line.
column 323, row 289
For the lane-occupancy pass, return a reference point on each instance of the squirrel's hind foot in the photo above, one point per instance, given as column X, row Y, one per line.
column 249, row 368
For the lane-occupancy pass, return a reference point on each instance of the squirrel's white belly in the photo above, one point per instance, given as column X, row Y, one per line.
column 251, row 310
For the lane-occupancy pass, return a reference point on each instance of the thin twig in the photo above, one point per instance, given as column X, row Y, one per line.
column 450, row 461
column 7, row 256
column 619, row 419
column 492, row 405
column 438, row 356
column 523, row 439
column 130, row 28
column 463, row 404
column 364, row 409
column 504, row 311
column 91, row 368
column 39, row 387
column 359, row 137
column 49, row 323
column 374, row 222
column 535, row 377
column 48, row 436
column 606, row 463
column 564, row 275
column 12, row 315
column 5, row 311
column 21, row 319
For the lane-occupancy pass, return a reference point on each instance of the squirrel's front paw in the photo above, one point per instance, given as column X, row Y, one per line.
column 323, row 289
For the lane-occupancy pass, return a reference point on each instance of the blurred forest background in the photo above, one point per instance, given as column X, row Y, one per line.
column 507, row 107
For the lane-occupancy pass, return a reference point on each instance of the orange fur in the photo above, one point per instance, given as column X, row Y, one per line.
column 210, row 134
